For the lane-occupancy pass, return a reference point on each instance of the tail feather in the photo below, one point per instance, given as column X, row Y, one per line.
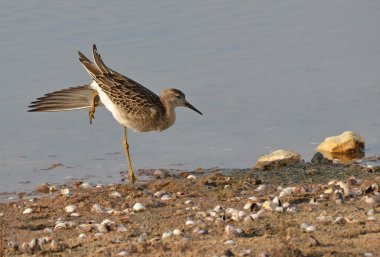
column 65, row 100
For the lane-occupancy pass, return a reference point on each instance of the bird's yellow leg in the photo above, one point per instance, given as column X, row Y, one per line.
column 92, row 108
column 132, row 177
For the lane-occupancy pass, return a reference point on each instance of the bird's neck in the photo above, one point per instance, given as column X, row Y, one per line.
column 169, row 115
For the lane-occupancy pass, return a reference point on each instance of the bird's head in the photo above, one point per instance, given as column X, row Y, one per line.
column 175, row 98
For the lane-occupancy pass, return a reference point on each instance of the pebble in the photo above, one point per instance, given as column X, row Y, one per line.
column 232, row 231
column 60, row 225
column 75, row 214
column 70, row 208
column 123, row 253
column 121, row 228
column 82, row 235
column 261, row 188
column 191, row 177
column 99, row 235
column 202, row 232
column 177, row 232
column 97, row 208
column 85, row 185
column 372, row 218
column 138, row 207
column 368, row 254
column 310, row 228
column 28, row 211
column 48, row 230
column 371, row 212
column 65, row 192
column 167, row 234
column 2, row 214
column 166, row 197
column 189, row 202
column 115, row 194
column 286, row 192
column 190, row 223
column 229, row 242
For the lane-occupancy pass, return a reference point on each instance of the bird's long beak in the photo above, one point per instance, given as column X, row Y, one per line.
column 187, row 104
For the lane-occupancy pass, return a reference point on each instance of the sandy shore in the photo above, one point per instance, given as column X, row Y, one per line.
column 324, row 210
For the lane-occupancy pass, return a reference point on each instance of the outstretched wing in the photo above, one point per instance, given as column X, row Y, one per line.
column 123, row 91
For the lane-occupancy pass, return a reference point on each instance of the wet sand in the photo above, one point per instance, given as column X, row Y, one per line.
column 329, row 210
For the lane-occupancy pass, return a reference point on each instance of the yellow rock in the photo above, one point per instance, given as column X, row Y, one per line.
column 277, row 159
column 346, row 143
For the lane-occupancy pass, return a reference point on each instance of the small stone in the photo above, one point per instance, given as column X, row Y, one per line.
column 115, row 194
column 202, row 232
column 371, row 212
column 138, row 207
column 189, row 202
column 97, row 208
column 85, row 185
column 177, row 232
column 121, row 228
column 28, row 211
column 47, row 230
column 2, row 214
column 82, row 235
column 277, row 159
column 167, row 234
column 310, row 228
column 14, row 245
column 368, row 254
column 191, row 177
column 99, row 235
column 229, row 242
column 372, row 218
column 123, row 253
column 166, row 197
column 70, row 208
column 190, row 223
column 65, row 192
column 286, row 192
column 75, row 214
column 60, row 225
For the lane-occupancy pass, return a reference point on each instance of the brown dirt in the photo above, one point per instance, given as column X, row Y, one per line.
column 275, row 233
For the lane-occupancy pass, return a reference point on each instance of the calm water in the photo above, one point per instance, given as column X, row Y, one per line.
column 266, row 74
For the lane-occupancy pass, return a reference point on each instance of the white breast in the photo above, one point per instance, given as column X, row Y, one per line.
column 113, row 108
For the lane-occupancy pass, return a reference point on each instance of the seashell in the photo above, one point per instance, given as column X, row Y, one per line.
column 85, row 185
column 177, row 232
column 279, row 209
column 158, row 194
column 167, row 234
column 75, row 214
column 48, row 230
column 310, row 228
column 371, row 212
column 28, row 211
column 14, row 245
column 277, row 201
column 82, row 235
column 286, row 205
column 33, row 244
column 262, row 188
column 97, row 208
column 286, row 192
column 325, row 219
column 102, row 228
column 60, row 225
column 166, row 197
column 191, row 177
column 212, row 213
column 218, row 208
column 190, row 223
column 70, row 208
column 202, row 232
column 189, row 202
column 345, row 187
column 230, row 211
column 229, row 242
column 123, row 253
column 99, row 235
column 121, row 228
column 65, row 192
column 232, row 231
column 115, row 194
column 304, row 225
column 269, row 205
column 219, row 221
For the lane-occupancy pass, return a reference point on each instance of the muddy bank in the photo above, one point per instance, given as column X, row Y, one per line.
column 302, row 210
